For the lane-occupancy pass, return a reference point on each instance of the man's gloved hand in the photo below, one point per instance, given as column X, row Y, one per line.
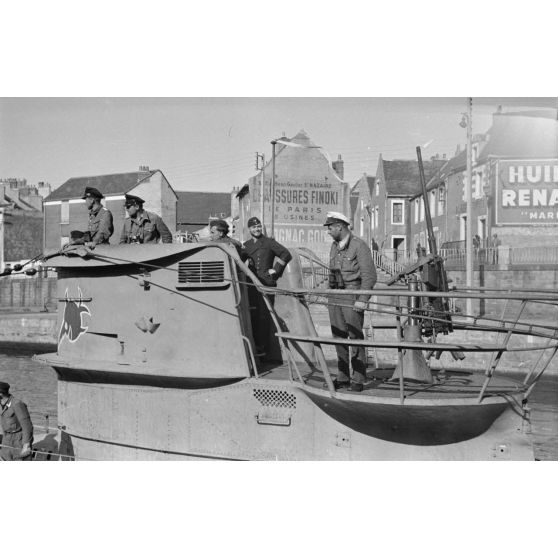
column 272, row 272
column 360, row 306
column 26, row 450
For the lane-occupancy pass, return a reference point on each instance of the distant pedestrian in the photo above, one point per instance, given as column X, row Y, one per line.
column 421, row 251
column 141, row 226
column 495, row 248
column 375, row 246
column 351, row 267
column 267, row 260
column 17, row 427
column 219, row 232
column 476, row 243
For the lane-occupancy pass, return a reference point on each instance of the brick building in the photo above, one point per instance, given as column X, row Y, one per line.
column 64, row 210
column 397, row 183
column 194, row 210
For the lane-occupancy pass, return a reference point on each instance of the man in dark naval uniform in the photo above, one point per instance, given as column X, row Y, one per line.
column 16, row 426
column 267, row 259
column 350, row 267
column 141, row 226
column 100, row 227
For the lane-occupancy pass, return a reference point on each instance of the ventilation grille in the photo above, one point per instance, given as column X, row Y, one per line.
column 274, row 398
column 195, row 273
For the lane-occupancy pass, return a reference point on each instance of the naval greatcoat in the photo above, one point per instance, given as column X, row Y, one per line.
column 262, row 253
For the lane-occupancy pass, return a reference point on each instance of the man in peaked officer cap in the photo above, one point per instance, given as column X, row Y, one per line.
column 100, row 227
column 268, row 259
column 350, row 267
column 142, row 227
column 16, row 426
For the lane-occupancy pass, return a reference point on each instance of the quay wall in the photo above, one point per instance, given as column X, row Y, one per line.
column 29, row 328
column 536, row 277
column 32, row 293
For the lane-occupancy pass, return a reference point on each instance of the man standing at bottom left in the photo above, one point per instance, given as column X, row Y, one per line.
column 16, row 426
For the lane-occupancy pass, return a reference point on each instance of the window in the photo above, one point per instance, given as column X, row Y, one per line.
column 432, row 198
column 421, row 209
column 441, row 200
column 479, row 186
column 396, row 213
column 417, row 210
column 377, row 187
column 64, row 212
column 475, row 190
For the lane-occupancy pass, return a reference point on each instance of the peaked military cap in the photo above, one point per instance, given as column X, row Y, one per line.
column 93, row 193
column 253, row 221
column 4, row 387
column 333, row 217
column 133, row 200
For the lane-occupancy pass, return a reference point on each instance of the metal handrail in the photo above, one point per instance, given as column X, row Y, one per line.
column 386, row 264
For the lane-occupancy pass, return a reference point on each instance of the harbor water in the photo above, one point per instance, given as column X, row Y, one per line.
column 36, row 384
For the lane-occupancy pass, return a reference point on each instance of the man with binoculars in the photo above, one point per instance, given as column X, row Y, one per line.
column 142, row 227
column 350, row 267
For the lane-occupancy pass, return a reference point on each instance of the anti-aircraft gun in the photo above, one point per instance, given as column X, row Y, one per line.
column 430, row 318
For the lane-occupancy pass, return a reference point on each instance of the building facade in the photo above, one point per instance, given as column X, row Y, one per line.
column 64, row 210
column 195, row 210
column 514, row 186
column 363, row 215
column 307, row 186
column 397, row 183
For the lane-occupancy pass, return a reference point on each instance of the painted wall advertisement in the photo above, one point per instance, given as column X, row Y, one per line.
column 527, row 192
column 300, row 210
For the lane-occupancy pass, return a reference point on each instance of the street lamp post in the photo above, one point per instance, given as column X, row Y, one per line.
column 263, row 190
column 1, row 239
column 272, row 204
column 469, row 192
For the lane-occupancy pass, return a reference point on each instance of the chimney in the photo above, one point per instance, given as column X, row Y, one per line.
column 339, row 167
column 144, row 169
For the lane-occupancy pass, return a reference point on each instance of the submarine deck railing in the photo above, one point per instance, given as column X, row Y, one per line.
column 508, row 326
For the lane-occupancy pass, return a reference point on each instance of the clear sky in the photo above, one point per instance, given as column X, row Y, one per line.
column 208, row 144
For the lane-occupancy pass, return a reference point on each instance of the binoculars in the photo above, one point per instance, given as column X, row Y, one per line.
column 338, row 281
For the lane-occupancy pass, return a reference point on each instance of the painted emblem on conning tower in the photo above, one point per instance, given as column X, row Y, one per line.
column 72, row 320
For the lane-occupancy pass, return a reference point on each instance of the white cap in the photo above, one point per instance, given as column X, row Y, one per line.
column 335, row 217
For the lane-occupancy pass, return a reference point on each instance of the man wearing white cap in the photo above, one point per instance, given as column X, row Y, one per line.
column 350, row 267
